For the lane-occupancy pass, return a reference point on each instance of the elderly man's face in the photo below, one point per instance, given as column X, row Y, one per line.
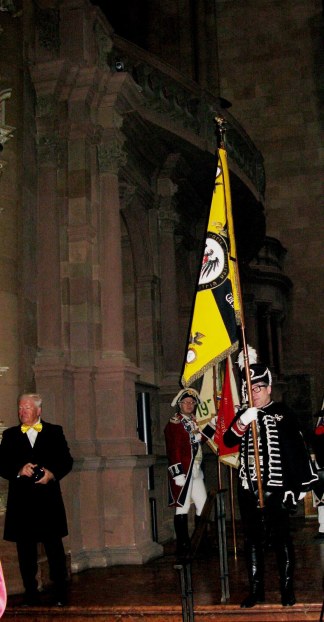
column 28, row 412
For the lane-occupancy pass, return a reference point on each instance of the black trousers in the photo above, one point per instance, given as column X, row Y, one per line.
column 270, row 522
column 27, row 557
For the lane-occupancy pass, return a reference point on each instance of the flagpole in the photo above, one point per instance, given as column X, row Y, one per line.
column 253, row 424
column 233, row 511
column 221, row 127
column 215, row 384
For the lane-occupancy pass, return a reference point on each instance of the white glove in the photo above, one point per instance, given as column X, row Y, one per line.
column 301, row 496
column 180, row 480
column 249, row 415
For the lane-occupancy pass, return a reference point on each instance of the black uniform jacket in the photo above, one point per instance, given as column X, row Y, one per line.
column 34, row 510
column 283, row 448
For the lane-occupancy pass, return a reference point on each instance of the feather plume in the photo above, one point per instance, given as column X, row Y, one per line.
column 252, row 356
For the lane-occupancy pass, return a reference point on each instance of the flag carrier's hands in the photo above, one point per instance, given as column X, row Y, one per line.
column 249, row 415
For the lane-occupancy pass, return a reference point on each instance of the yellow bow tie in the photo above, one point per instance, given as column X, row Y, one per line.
column 38, row 427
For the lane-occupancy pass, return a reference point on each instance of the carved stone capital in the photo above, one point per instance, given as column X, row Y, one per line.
column 111, row 156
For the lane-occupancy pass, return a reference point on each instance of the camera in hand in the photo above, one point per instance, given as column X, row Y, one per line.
column 38, row 473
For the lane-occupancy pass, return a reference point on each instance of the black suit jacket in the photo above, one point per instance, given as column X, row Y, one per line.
column 34, row 510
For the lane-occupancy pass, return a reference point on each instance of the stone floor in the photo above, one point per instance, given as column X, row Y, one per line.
column 157, row 582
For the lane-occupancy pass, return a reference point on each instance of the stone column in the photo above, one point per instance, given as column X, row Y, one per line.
column 169, row 302
column 80, row 323
column 127, row 525
column 50, row 373
column 113, row 363
column 147, row 296
column 140, row 253
column 48, row 253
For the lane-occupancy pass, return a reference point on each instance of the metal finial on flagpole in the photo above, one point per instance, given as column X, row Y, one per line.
column 221, row 129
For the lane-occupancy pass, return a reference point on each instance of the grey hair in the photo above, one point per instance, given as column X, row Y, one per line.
column 37, row 399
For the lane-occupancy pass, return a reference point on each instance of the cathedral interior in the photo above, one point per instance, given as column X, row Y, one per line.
column 107, row 163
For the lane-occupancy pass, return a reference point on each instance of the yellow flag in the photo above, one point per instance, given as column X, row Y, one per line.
column 213, row 334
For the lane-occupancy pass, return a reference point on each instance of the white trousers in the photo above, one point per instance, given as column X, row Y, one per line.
column 321, row 518
column 196, row 493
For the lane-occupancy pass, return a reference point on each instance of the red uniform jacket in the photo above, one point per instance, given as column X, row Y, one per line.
column 181, row 451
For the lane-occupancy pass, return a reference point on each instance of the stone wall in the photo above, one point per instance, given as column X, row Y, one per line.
column 271, row 69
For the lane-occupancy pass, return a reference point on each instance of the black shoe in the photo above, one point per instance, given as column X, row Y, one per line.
column 253, row 599
column 288, row 597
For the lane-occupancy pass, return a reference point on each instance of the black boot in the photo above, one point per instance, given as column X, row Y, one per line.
column 286, row 564
column 182, row 535
column 254, row 555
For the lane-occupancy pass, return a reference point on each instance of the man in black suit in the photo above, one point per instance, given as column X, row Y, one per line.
column 34, row 457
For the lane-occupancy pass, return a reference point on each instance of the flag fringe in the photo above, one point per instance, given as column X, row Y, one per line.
column 232, row 460
column 238, row 317
column 186, row 383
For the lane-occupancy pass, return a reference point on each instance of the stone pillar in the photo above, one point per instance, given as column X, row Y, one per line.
column 10, row 211
column 52, row 377
column 79, row 272
column 169, row 302
column 111, row 156
column 127, row 524
column 48, row 253
column 147, row 296
column 140, row 257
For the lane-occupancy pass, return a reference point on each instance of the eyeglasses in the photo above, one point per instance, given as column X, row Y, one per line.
column 188, row 402
column 257, row 388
